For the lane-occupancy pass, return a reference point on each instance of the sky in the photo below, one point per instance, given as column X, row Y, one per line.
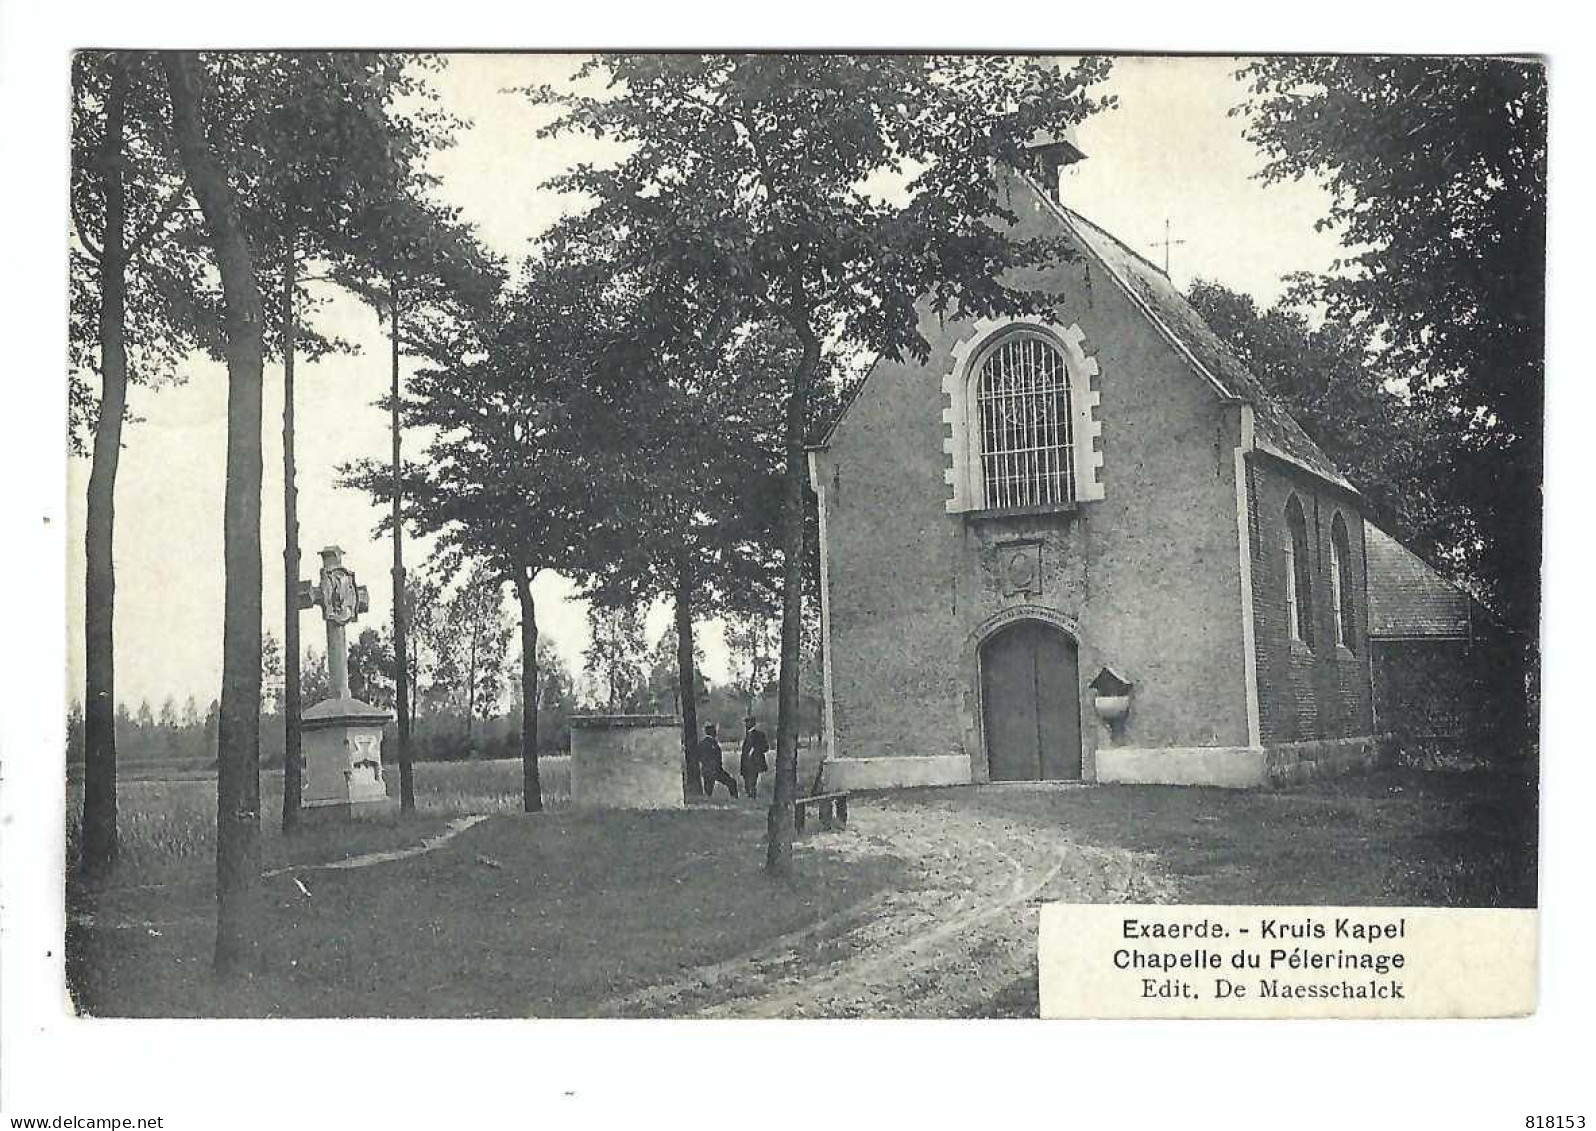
column 1168, row 153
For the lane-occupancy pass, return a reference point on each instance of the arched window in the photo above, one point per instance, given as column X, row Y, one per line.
column 1026, row 431
column 1341, row 587
column 1299, row 575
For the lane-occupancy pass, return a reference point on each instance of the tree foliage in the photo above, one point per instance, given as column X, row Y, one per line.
column 616, row 660
column 1437, row 167
column 749, row 191
column 132, row 315
column 311, row 146
column 498, row 482
column 162, row 259
column 1393, row 447
column 479, row 632
column 371, row 668
column 753, row 642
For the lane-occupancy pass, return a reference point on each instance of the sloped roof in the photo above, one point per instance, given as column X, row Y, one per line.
column 1406, row 596
column 1274, row 430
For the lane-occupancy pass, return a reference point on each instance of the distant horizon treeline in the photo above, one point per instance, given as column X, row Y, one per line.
column 449, row 726
column 144, row 736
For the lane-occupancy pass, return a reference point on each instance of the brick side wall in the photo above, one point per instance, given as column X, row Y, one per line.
column 1305, row 693
column 1149, row 576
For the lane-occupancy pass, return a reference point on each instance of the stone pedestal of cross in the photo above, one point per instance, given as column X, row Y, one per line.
column 342, row 751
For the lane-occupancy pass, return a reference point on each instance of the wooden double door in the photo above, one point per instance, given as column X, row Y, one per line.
column 1030, row 703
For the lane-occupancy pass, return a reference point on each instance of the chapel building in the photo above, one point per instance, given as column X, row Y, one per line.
column 1439, row 656
column 1090, row 547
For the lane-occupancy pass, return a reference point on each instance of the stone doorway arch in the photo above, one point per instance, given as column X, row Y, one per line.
column 1029, row 687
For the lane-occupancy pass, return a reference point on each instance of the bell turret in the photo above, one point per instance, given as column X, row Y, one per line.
column 1049, row 154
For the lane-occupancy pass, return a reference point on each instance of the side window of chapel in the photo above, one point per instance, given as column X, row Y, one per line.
column 1299, row 574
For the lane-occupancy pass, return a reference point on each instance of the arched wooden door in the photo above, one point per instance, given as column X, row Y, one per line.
column 1030, row 703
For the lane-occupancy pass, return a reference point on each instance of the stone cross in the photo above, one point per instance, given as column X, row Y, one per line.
column 341, row 601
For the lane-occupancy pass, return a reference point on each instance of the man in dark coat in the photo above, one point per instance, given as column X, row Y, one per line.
column 755, row 746
column 709, row 764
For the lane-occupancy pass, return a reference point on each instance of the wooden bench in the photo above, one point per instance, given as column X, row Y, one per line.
column 832, row 807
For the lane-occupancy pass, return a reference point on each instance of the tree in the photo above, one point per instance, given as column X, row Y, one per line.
column 556, row 697
column 371, row 668
column 213, row 726
column 1437, row 169
column 423, row 266
column 271, row 670
column 238, row 770
column 615, row 658
column 328, row 143
column 496, row 485
column 131, row 319
column 556, row 688
column 753, row 641
column 312, row 153
column 692, row 511
column 475, row 615
column 664, row 675
column 1393, row 449
column 745, row 185
column 315, row 676
column 428, row 637
column 193, row 730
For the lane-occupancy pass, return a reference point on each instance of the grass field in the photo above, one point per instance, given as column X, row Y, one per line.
column 1397, row 837
column 166, row 826
column 556, row 913
column 166, row 823
column 1400, row 837
column 531, row 915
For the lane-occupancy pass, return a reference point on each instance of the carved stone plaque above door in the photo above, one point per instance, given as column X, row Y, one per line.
column 1019, row 568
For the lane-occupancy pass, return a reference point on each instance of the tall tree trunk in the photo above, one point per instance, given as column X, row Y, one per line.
column 531, row 783
column 238, row 770
column 779, row 822
column 756, row 667
column 471, row 691
column 292, row 763
column 99, row 841
column 415, row 685
column 686, row 669
column 401, row 687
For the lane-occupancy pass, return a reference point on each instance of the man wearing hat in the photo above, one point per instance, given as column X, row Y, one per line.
column 709, row 763
column 755, row 746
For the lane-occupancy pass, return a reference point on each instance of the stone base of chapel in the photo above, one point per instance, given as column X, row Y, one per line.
column 897, row 772
column 1236, row 767
column 1227, row 767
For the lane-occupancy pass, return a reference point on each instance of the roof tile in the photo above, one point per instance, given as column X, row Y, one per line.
column 1406, row 596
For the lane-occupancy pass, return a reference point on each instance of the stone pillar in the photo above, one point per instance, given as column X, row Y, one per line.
column 626, row 761
column 342, row 753
column 341, row 748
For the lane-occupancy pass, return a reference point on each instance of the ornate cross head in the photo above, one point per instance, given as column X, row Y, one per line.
column 340, row 598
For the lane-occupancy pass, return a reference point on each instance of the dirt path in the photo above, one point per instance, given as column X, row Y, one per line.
column 939, row 947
